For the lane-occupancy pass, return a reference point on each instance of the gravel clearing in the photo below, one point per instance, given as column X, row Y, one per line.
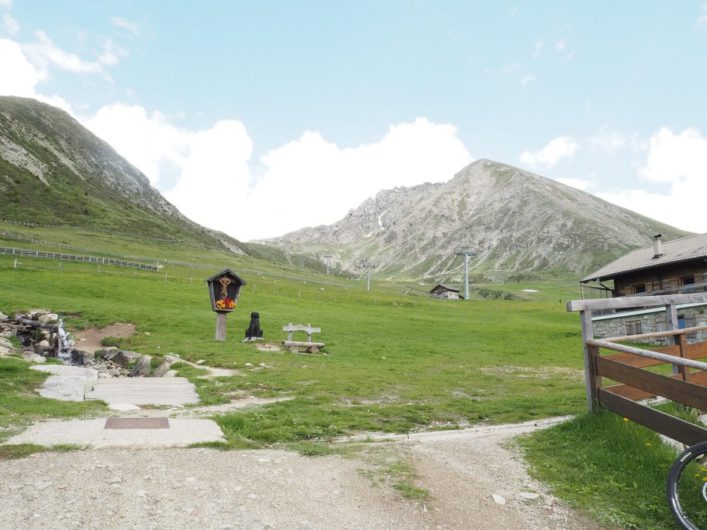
column 475, row 481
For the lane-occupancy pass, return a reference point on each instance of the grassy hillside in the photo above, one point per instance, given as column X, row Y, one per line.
column 54, row 172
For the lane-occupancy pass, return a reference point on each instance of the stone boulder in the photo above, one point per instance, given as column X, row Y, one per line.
column 5, row 346
column 142, row 367
column 120, row 357
column 42, row 346
column 48, row 318
column 164, row 367
column 82, row 358
column 33, row 357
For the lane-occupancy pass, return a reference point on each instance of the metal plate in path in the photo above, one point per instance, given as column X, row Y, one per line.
column 137, row 423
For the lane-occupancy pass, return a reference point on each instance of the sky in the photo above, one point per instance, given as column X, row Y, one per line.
column 297, row 112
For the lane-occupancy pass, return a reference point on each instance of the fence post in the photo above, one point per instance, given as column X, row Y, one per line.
column 671, row 315
column 591, row 381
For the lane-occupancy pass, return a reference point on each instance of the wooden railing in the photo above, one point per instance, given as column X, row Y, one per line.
column 628, row 367
column 73, row 257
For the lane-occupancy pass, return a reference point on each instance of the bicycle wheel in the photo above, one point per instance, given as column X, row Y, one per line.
column 687, row 488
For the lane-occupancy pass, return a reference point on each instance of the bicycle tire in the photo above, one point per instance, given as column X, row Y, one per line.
column 687, row 479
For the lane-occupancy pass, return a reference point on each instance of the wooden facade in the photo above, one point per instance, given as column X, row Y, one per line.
column 673, row 267
column 677, row 266
column 683, row 277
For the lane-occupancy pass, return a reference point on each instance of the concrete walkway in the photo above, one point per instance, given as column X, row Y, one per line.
column 71, row 383
column 144, row 391
column 181, row 433
column 67, row 383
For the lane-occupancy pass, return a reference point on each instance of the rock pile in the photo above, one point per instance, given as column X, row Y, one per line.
column 40, row 335
column 38, row 332
column 114, row 362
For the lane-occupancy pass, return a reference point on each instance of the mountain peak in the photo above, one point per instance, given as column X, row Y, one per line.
column 515, row 220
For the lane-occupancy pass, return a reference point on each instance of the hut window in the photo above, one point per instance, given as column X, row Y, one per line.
column 633, row 327
column 639, row 288
column 688, row 283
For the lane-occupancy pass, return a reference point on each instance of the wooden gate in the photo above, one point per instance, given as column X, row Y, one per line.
column 633, row 369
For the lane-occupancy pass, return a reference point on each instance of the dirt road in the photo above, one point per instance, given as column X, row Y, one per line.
column 475, row 480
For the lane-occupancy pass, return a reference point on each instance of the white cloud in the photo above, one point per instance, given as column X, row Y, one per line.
column 44, row 54
column 676, row 157
column 702, row 19
column 409, row 154
column 307, row 181
column 680, row 161
column 580, row 184
column 568, row 57
column 610, row 141
column 20, row 77
column 126, row 24
column 147, row 140
column 213, row 186
column 557, row 149
column 11, row 25
column 560, row 45
column 6, row 3
column 208, row 174
column 111, row 54
column 538, row 49
column 527, row 79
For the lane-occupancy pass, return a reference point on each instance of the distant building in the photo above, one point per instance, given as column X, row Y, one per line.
column 678, row 266
column 445, row 292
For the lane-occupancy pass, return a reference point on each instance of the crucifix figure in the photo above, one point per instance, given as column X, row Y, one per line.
column 225, row 282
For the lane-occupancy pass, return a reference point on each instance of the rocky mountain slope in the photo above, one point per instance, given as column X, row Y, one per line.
column 53, row 171
column 516, row 222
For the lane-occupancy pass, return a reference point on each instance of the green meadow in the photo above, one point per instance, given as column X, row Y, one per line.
column 393, row 362
column 395, row 359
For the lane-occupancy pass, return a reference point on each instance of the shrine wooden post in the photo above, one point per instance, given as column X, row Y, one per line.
column 224, row 289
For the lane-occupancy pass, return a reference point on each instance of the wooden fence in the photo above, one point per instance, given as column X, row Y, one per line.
column 628, row 366
column 73, row 257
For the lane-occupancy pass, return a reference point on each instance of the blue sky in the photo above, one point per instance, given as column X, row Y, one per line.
column 280, row 103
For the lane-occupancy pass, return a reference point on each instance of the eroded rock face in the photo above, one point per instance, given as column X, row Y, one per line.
column 514, row 221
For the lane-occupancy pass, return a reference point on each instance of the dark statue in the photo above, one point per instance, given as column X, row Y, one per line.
column 254, row 332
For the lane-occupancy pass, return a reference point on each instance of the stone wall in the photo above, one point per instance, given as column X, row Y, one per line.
column 649, row 321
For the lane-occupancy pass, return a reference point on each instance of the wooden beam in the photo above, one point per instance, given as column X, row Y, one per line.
column 670, row 426
column 647, row 353
column 636, row 394
column 658, row 385
column 697, row 350
column 625, row 302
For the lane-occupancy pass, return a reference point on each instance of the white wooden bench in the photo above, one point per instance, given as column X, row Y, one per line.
column 297, row 346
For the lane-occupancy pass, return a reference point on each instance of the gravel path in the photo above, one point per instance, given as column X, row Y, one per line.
column 475, row 481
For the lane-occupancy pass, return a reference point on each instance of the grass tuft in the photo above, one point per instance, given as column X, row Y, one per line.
column 611, row 468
